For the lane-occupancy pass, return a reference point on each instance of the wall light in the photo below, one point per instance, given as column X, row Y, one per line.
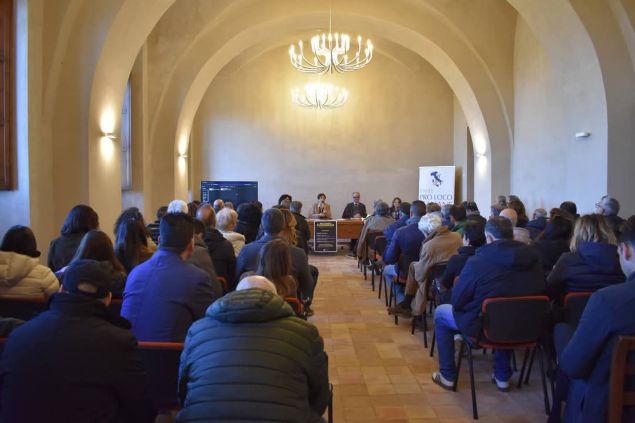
column 480, row 155
column 110, row 135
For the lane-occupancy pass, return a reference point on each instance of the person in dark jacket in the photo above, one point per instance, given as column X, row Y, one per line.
column 592, row 263
column 80, row 220
column 250, row 359
column 302, row 226
column 249, row 216
column 537, row 224
column 586, row 360
column 200, row 258
column 220, row 249
column 272, row 223
column 406, row 242
column 473, row 238
column 404, row 211
column 164, row 295
column 76, row 362
column 473, row 212
column 153, row 228
column 355, row 210
column 503, row 267
column 609, row 207
column 554, row 241
column 458, row 217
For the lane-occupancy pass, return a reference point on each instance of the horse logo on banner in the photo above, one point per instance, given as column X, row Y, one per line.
column 436, row 179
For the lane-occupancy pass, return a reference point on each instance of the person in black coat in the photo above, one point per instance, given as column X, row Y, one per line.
column 249, row 216
column 272, row 223
column 302, row 226
column 250, row 359
column 473, row 238
column 76, row 362
column 592, row 263
column 220, row 250
column 554, row 241
column 537, row 224
column 80, row 220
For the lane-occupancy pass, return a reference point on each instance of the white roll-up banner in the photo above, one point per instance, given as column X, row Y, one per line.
column 436, row 184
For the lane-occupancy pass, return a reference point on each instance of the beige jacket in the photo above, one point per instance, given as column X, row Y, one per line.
column 372, row 224
column 24, row 275
column 237, row 240
column 315, row 211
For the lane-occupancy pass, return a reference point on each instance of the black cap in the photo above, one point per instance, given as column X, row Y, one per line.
column 88, row 277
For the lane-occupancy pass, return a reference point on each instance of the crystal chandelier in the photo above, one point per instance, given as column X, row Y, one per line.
column 331, row 52
column 319, row 96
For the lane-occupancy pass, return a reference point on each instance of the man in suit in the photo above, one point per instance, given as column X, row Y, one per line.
column 354, row 210
column 272, row 224
column 586, row 360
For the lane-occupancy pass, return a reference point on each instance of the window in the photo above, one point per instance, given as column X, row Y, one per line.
column 7, row 159
column 126, row 142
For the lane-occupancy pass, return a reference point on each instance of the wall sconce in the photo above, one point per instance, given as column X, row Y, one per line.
column 479, row 155
column 183, row 156
column 582, row 135
column 110, row 135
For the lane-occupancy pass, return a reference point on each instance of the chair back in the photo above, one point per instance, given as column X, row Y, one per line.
column 161, row 361
column 297, row 306
column 381, row 243
column 402, row 266
column 622, row 394
column 22, row 307
column 371, row 238
column 574, row 304
column 515, row 320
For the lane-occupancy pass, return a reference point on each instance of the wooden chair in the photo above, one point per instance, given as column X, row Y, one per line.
column 620, row 395
column 22, row 306
column 508, row 323
column 574, row 304
column 297, row 307
column 161, row 361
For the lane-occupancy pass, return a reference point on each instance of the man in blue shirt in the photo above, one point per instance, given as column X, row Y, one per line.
column 404, row 210
column 165, row 295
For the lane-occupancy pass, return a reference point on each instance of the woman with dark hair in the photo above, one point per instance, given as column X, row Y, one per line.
column 131, row 246
column 96, row 245
column 275, row 264
column 249, row 216
column 593, row 262
column 134, row 213
column 284, row 200
column 80, row 219
column 321, row 209
column 519, row 208
column 554, row 241
column 20, row 271
column 395, row 209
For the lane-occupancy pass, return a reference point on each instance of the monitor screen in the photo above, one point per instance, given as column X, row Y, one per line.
column 235, row 191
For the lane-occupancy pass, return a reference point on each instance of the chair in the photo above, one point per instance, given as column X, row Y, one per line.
column 434, row 272
column 297, row 307
column 22, row 307
column 508, row 323
column 161, row 361
column 620, row 394
column 329, row 409
column 402, row 268
column 377, row 242
column 434, row 335
column 574, row 304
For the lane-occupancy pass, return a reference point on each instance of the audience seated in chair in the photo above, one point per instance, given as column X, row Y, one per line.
column 520, row 234
column 249, row 216
column 20, row 271
column 80, row 220
column 592, row 263
column 273, row 224
column 473, row 238
column 438, row 246
column 502, row 268
column 275, row 264
column 220, row 249
column 473, row 212
column 303, row 231
column 554, row 241
column 133, row 213
column 226, row 220
column 609, row 208
column 538, row 223
column 585, row 355
column 76, row 362
column 515, row 204
column 131, row 244
column 153, row 228
column 251, row 359
column 458, row 217
column 404, row 212
column 200, row 258
column 405, row 242
column 165, row 294
column 96, row 245
column 376, row 223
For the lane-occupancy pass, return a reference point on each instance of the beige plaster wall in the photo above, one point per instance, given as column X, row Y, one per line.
column 398, row 117
column 550, row 165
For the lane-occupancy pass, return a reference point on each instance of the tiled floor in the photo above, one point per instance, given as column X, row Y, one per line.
column 380, row 372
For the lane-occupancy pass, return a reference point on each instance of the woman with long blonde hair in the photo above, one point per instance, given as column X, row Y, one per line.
column 593, row 262
column 288, row 231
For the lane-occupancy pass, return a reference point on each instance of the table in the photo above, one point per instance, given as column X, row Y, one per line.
column 346, row 228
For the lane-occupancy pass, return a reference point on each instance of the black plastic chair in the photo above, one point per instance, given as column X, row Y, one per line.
column 161, row 361
column 402, row 269
column 508, row 323
column 574, row 304
column 377, row 242
column 22, row 307
column 434, row 272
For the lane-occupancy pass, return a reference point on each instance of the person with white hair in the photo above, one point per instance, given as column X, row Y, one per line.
column 226, row 221
column 177, row 206
column 438, row 246
column 520, row 234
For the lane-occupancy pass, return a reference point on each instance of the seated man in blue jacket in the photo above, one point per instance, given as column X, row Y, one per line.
column 165, row 295
column 406, row 241
column 404, row 210
column 501, row 268
column 272, row 223
column 587, row 357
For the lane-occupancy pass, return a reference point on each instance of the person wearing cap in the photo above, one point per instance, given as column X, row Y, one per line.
column 165, row 295
column 20, row 271
column 250, row 359
column 76, row 362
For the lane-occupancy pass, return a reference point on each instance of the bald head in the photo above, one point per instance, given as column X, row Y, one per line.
column 511, row 215
column 254, row 281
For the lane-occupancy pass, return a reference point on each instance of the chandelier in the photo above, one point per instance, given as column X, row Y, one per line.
column 331, row 52
column 319, row 96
